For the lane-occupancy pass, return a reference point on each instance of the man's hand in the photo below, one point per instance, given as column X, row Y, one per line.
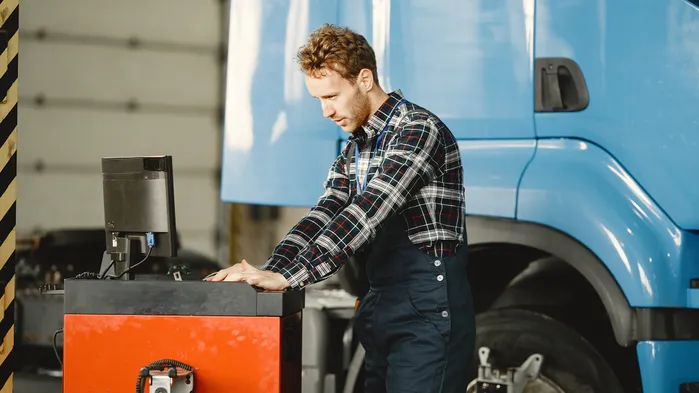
column 245, row 272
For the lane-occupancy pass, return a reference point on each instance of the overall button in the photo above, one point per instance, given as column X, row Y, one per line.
column 440, row 277
column 445, row 314
column 437, row 262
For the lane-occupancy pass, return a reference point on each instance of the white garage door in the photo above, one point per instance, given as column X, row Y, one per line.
column 110, row 78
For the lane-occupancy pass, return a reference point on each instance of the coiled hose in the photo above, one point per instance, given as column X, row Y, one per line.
column 158, row 365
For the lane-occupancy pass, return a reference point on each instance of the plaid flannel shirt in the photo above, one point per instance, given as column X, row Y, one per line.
column 416, row 172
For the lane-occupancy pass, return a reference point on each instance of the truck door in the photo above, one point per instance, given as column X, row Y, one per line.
column 468, row 62
column 277, row 146
column 622, row 80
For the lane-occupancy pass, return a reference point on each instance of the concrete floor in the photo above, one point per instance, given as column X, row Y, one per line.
column 32, row 383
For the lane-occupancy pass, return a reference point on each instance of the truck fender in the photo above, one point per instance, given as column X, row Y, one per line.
column 492, row 230
column 576, row 202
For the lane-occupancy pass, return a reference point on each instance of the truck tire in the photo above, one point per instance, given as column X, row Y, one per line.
column 571, row 363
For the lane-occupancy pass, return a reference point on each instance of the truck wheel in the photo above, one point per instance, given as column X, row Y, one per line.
column 570, row 363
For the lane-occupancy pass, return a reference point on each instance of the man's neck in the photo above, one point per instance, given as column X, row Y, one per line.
column 376, row 98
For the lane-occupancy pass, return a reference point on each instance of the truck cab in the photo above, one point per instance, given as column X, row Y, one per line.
column 578, row 124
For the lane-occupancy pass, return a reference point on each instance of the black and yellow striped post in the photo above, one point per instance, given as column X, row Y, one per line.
column 9, row 44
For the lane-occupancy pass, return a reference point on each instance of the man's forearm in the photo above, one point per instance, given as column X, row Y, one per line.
column 307, row 229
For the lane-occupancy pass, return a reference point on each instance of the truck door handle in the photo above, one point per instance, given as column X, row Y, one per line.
column 559, row 86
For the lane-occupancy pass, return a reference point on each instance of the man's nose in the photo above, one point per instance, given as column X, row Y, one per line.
column 328, row 110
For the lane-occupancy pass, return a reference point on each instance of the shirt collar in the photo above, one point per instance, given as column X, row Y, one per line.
column 379, row 119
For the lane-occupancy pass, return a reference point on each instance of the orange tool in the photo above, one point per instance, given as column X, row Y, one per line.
column 232, row 336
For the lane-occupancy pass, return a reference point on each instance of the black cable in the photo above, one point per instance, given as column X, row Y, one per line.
column 87, row 275
column 95, row 276
column 158, row 365
column 136, row 264
column 104, row 273
column 55, row 346
column 149, row 238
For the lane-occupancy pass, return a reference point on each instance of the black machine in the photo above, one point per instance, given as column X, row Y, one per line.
column 141, row 240
column 160, row 315
column 139, row 212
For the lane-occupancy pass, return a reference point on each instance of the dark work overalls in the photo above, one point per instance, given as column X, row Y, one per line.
column 416, row 323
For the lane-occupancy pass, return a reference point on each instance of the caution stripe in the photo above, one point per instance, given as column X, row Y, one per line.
column 9, row 31
column 9, row 62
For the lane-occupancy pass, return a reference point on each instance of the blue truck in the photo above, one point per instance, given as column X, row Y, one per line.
column 578, row 123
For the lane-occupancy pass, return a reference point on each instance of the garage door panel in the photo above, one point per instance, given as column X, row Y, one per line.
column 183, row 21
column 115, row 74
column 202, row 242
column 70, row 201
column 83, row 137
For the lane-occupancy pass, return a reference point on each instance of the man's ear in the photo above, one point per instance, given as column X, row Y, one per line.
column 365, row 79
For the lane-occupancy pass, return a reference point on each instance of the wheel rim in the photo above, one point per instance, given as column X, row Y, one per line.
column 540, row 384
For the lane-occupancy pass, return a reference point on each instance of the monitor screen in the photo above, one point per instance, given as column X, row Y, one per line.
column 139, row 199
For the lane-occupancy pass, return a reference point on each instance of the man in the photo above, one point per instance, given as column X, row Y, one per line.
column 399, row 207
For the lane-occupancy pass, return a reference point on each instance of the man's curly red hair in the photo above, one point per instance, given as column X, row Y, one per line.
column 337, row 48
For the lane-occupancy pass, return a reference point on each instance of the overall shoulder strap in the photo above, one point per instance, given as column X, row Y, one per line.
column 348, row 159
column 348, row 162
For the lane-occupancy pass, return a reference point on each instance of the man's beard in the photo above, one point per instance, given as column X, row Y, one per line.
column 361, row 110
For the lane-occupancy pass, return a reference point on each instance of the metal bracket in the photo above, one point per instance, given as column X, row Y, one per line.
column 166, row 378
column 164, row 382
column 160, row 384
column 516, row 379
